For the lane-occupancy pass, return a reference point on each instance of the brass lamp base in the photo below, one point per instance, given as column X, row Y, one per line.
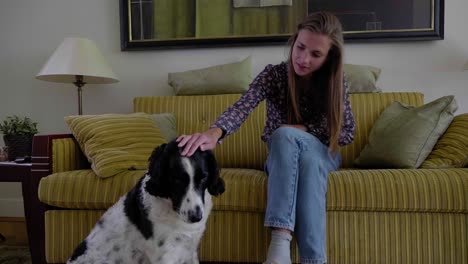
column 79, row 83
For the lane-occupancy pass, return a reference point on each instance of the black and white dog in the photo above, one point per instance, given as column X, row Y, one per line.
column 162, row 219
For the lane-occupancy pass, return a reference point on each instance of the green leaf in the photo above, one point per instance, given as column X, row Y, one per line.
column 15, row 125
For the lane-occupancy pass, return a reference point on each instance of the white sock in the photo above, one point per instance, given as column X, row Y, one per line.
column 279, row 249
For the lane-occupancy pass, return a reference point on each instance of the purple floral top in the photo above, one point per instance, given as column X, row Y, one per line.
column 271, row 85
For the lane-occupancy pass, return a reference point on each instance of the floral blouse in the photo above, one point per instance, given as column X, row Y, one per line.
column 271, row 85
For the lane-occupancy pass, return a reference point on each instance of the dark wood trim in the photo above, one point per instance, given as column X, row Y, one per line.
column 13, row 172
column 12, row 219
column 41, row 167
column 126, row 44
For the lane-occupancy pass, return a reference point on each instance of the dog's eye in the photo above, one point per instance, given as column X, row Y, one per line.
column 178, row 181
column 203, row 180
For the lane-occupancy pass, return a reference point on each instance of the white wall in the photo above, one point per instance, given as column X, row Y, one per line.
column 31, row 30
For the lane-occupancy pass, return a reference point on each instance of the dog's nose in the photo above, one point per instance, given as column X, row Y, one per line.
column 195, row 216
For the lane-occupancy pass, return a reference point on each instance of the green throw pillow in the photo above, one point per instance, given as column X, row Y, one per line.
column 166, row 122
column 114, row 143
column 228, row 78
column 403, row 136
column 362, row 78
column 451, row 150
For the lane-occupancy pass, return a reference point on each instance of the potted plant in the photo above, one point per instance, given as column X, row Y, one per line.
column 18, row 134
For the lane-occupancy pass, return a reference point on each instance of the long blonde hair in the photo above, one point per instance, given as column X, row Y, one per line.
column 328, row 80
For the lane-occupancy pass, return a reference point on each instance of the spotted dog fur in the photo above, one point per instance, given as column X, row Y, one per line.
column 162, row 219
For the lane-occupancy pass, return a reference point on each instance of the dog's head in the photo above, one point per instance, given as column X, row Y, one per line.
column 184, row 180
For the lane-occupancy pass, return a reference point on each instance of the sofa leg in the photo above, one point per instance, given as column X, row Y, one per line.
column 37, row 238
column 34, row 213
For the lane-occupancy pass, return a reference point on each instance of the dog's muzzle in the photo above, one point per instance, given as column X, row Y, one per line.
column 196, row 215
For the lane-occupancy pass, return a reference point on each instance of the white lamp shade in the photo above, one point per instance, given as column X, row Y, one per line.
column 77, row 56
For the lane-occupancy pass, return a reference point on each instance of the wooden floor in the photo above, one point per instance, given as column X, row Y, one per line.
column 13, row 231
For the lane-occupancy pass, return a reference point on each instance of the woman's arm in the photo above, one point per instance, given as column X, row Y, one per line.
column 348, row 125
column 232, row 118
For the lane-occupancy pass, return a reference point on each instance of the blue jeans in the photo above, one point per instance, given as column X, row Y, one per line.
column 298, row 165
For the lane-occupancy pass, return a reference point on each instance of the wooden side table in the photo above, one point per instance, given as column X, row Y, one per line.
column 19, row 172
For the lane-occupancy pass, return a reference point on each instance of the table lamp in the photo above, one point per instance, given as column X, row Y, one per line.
column 77, row 61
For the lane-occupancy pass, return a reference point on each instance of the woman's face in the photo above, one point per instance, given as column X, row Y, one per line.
column 309, row 52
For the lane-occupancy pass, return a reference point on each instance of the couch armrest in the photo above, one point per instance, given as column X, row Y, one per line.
column 41, row 167
column 57, row 153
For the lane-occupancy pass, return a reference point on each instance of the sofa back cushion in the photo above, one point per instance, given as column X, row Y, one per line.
column 451, row 150
column 196, row 113
column 367, row 107
column 245, row 149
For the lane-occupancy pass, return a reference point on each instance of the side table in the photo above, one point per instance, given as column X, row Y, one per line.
column 19, row 172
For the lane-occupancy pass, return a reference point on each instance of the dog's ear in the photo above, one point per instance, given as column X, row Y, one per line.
column 215, row 182
column 153, row 161
column 156, row 184
column 217, row 186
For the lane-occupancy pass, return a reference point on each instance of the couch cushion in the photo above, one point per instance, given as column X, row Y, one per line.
column 116, row 142
column 82, row 189
column 361, row 190
column 451, row 150
column 167, row 124
column 413, row 190
column 227, row 78
column 362, row 78
column 404, row 135
column 245, row 191
column 366, row 109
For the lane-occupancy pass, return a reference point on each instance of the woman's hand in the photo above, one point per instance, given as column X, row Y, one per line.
column 205, row 141
column 300, row 127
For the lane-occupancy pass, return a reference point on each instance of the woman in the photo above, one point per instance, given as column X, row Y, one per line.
column 308, row 118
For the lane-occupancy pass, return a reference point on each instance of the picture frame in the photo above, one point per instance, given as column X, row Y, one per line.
column 168, row 24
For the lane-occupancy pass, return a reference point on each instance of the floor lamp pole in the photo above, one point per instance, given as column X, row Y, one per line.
column 79, row 83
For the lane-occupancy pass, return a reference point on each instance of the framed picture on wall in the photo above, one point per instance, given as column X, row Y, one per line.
column 163, row 24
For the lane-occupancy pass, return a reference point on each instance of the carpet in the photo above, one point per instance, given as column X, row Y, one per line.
column 10, row 254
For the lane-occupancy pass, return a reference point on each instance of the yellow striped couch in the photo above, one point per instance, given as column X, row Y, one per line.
column 373, row 216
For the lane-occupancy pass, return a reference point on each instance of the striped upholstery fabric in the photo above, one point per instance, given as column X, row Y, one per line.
column 82, row 189
column 245, row 191
column 451, row 150
column 193, row 116
column 366, row 190
column 67, row 155
column 373, row 216
column 244, row 149
column 65, row 229
column 417, row 190
column 362, row 237
column 245, row 241
column 387, row 208
column 352, row 237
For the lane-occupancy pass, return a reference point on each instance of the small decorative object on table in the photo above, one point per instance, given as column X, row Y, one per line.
column 3, row 154
column 18, row 135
